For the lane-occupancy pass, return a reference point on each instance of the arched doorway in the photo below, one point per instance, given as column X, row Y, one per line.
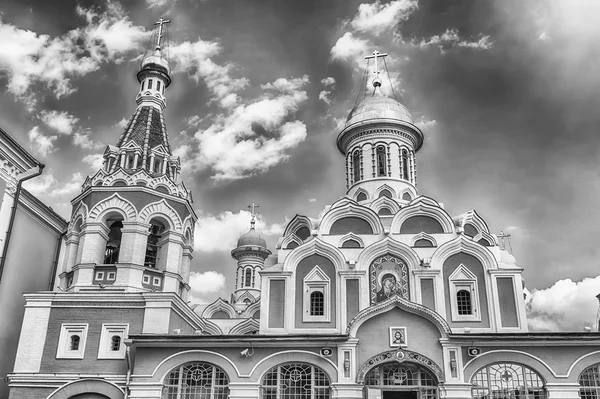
column 406, row 380
column 89, row 396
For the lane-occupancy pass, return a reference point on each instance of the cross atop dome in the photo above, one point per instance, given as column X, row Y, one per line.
column 252, row 208
column 376, row 55
column 160, row 35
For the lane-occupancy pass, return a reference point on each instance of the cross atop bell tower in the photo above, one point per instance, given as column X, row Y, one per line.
column 376, row 55
column 252, row 208
column 160, row 34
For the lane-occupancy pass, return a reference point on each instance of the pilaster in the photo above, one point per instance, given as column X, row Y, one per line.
column 92, row 243
column 134, row 239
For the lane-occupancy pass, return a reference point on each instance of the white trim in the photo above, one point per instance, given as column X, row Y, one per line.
column 105, row 346
column 67, row 330
column 316, row 281
column 462, row 279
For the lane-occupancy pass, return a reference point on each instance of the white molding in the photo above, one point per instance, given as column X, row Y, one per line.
column 67, row 330
column 108, row 331
column 316, row 281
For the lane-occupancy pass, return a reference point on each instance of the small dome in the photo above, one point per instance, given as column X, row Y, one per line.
column 156, row 61
column 378, row 106
column 251, row 238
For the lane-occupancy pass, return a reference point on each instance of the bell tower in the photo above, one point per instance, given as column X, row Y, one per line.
column 132, row 226
column 379, row 142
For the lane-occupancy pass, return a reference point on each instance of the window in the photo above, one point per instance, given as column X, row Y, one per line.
column 74, row 345
column 158, row 85
column 195, row 380
column 248, row 278
column 157, row 165
column 111, row 340
column 404, row 162
column 143, row 85
column 156, row 281
column 99, row 276
column 589, row 381
column 111, row 276
column 113, row 244
column 356, row 165
column 508, row 381
column 71, row 342
column 463, row 302
column 381, row 161
column 405, row 375
column 295, row 381
column 156, row 230
column 146, row 280
column 115, row 343
column 150, row 84
column 317, row 301
column 464, row 298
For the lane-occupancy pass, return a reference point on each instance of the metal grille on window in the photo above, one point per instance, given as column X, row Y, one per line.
column 463, row 302
column 295, row 381
column 248, row 278
column 589, row 381
column 74, row 345
column 381, row 161
column 115, row 343
column 508, row 381
column 405, row 376
column 196, row 381
column 317, row 303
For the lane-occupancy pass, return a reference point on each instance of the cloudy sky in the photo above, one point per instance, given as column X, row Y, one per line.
column 506, row 91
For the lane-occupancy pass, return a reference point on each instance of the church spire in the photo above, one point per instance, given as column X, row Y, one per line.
column 144, row 144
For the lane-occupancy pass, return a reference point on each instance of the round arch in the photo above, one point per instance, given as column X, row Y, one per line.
column 163, row 209
column 468, row 246
column 383, row 247
column 316, row 246
column 294, row 356
column 114, row 203
column 508, row 356
column 400, row 356
column 87, row 386
column 423, row 208
column 195, row 355
column 508, row 377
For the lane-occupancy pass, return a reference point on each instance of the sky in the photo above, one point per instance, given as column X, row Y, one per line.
column 506, row 92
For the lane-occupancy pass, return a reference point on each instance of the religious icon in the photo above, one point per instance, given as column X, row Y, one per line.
column 398, row 336
column 388, row 278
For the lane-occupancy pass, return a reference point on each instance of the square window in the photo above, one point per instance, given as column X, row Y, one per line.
column 146, row 280
column 99, row 276
column 111, row 340
column 72, row 340
column 156, row 281
column 112, row 275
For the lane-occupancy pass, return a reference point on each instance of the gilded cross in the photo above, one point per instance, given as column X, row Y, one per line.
column 160, row 24
column 376, row 55
column 502, row 236
column 252, row 208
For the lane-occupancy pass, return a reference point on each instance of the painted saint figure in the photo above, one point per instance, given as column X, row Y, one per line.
column 388, row 287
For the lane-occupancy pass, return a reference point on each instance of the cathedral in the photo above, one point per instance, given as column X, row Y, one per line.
column 387, row 296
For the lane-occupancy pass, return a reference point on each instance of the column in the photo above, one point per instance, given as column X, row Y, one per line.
column 133, row 242
column 135, row 160
column 92, row 243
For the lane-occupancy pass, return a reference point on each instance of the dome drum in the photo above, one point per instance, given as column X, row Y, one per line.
column 156, row 70
column 380, row 129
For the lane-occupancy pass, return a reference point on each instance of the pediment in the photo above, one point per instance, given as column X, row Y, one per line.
column 462, row 274
column 316, row 274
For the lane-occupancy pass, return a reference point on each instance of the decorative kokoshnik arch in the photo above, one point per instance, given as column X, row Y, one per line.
column 401, row 356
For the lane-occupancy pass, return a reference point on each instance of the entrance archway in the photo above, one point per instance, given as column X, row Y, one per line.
column 394, row 380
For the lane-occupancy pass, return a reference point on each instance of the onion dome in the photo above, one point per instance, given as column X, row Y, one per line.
column 251, row 243
column 251, row 238
column 156, row 63
column 378, row 107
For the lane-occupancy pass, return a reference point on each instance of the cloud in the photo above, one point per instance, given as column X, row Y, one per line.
column 27, row 58
column 40, row 143
column 450, row 38
column 159, row 3
column 84, row 141
column 325, row 96
column 47, row 185
column 221, row 232
column 96, row 161
column 328, row 81
column 121, row 124
column 194, row 58
column 376, row 18
column 253, row 137
column 312, row 200
column 425, row 124
column 349, row 47
column 207, row 282
column 61, row 121
column 566, row 306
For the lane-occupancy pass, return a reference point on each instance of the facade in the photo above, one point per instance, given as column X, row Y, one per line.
column 23, row 267
column 387, row 296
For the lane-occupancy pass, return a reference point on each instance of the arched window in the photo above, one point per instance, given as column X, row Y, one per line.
column 406, row 197
column 405, row 165
column 158, row 86
column 143, row 82
column 406, row 375
column 361, row 197
column 113, row 244
column 356, row 165
column 423, row 243
column 248, row 278
column 351, row 244
column 381, row 167
column 150, row 84
column 508, row 380
column 157, row 168
column 74, row 344
column 129, row 161
column 156, row 229
column 317, row 303
column 196, row 380
column 295, row 381
column 589, row 381
column 463, row 302
column 384, row 212
column 115, row 343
